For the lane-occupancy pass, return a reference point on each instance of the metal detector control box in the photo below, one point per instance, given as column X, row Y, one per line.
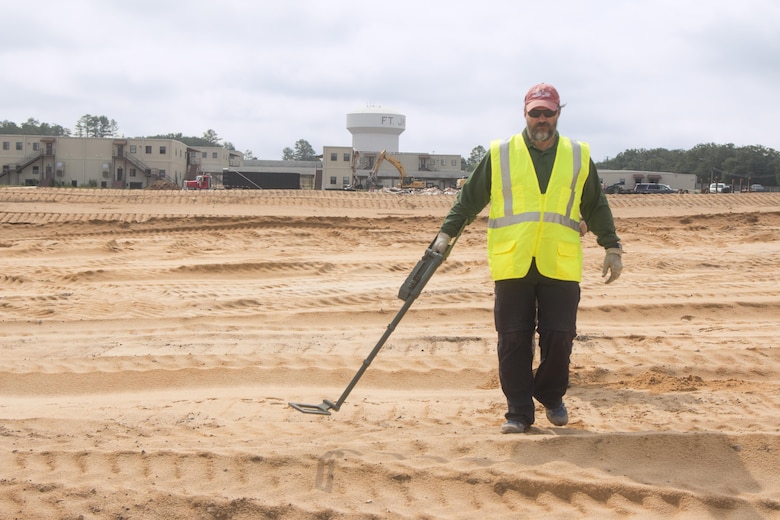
column 422, row 272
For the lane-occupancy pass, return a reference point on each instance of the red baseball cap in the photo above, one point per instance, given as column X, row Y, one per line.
column 542, row 95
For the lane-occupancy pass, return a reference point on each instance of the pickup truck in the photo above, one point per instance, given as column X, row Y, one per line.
column 720, row 187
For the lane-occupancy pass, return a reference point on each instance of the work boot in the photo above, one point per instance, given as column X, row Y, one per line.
column 558, row 415
column 514, row 427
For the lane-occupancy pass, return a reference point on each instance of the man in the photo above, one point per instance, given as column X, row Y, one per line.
column 540, row 186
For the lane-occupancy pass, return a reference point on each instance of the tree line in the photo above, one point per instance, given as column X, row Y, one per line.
column 87, row 126
column 724, row 162
column 90, row 125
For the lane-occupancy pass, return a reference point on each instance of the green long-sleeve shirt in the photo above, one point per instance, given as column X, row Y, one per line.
column 475, row 195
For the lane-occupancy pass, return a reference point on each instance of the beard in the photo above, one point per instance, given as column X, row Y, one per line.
column 542, row 131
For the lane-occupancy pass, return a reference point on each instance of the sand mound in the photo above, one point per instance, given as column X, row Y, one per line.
column 151, row 341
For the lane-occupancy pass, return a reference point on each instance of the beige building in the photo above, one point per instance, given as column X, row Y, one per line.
column 431, row 170
column 135, row 163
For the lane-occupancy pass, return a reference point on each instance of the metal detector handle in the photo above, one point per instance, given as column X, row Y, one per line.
column 423, row 271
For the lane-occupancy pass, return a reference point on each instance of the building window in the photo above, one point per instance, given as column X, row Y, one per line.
column 347, row 157
column 19, row 145
column 333, row 180
column 204, row 155
column 334, row 156
column 443, row 162
column 36, row 147
column 133, row 148
column 148, row 149
column 162, row 173
column 345, row 181
column 214, row 155
column 132, row 172
column 6, row 145
column 454, row 162
column 36, row 170
column 162, row 150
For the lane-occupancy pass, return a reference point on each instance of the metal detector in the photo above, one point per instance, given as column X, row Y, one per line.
column 408, row 292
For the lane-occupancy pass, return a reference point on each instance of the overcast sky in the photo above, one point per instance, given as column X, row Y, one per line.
column 262, row 74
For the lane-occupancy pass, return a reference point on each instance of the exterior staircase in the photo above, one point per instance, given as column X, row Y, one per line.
column 138, row 163
column 24, row 163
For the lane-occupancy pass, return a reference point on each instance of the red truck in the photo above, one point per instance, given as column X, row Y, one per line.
column 201, row 182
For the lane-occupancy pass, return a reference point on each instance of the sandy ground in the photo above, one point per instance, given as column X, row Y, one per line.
column 150, row 343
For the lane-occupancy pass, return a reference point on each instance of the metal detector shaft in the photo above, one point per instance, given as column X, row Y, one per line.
column 409, row 291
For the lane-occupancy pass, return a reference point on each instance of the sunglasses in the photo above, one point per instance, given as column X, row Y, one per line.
column 536, row 112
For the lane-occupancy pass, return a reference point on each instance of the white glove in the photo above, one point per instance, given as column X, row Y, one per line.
column 613, row 264
column 441, row 243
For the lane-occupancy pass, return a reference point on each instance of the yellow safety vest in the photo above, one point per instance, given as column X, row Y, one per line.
column 526, row 224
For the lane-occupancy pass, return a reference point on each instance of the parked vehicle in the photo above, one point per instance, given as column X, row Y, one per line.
column 644, row 187
column 618, row 187
column 720, row 187
column 756, row 187
column 200, row 182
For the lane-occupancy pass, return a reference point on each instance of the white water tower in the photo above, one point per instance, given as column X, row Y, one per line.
column 375, row 129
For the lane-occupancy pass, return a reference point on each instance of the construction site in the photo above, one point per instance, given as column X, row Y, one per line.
column 372, row 161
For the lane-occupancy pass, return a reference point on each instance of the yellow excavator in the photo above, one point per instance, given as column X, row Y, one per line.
column 372, row 180
column 355, row 184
